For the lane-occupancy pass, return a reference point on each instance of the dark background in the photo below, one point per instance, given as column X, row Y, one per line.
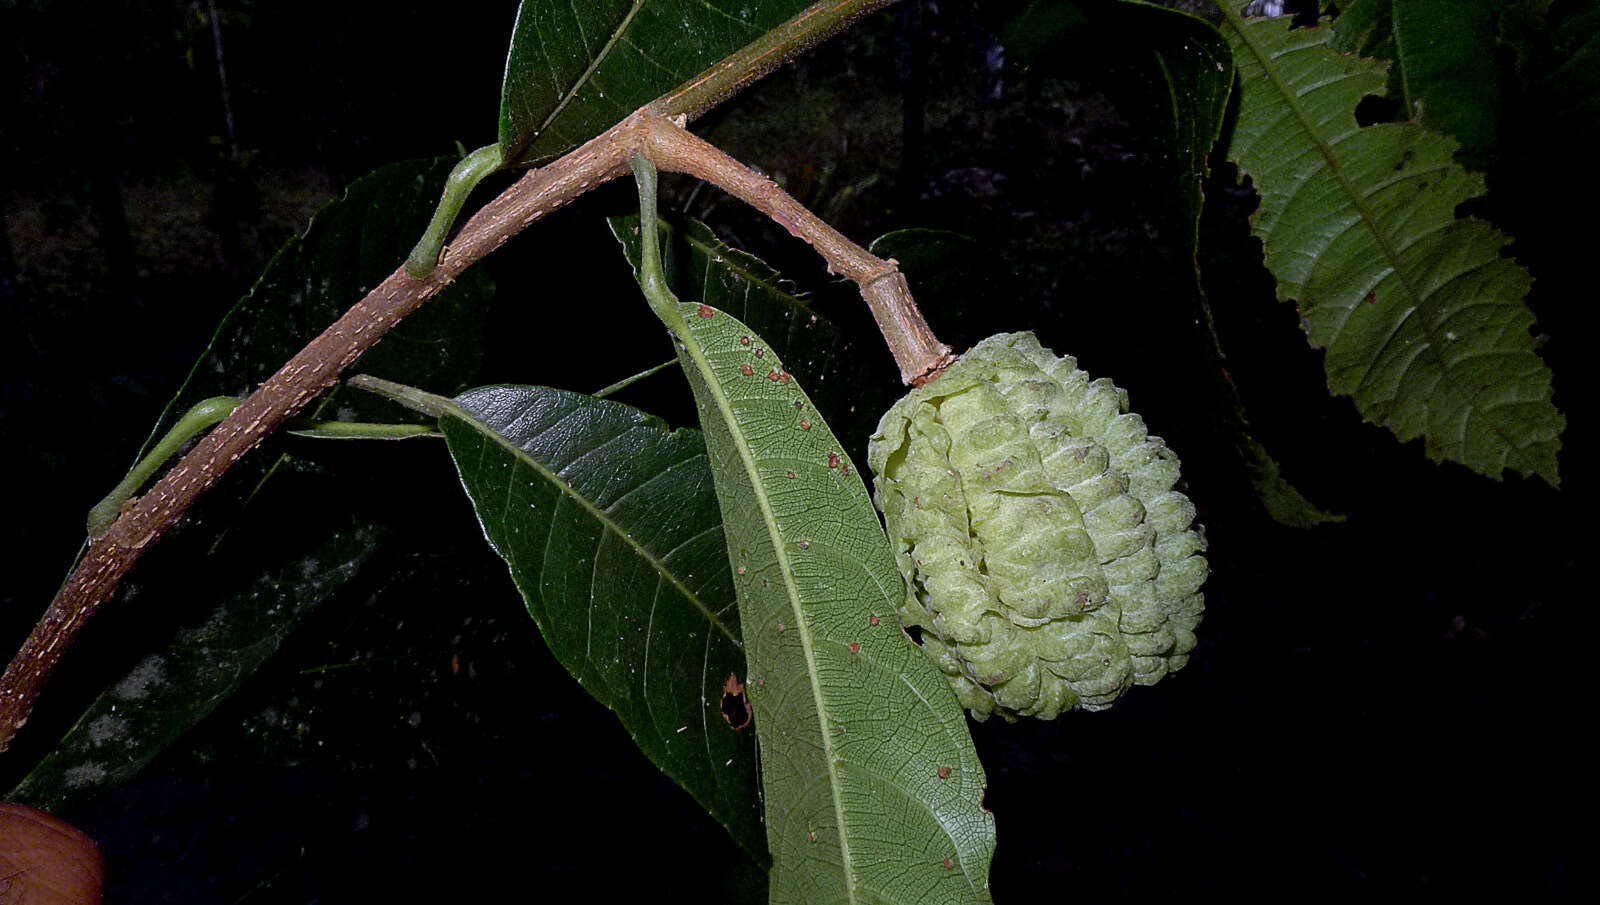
column 1380, row 706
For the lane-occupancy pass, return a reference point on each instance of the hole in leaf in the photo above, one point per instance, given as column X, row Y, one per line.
column 1375, row 109
column 735, row 706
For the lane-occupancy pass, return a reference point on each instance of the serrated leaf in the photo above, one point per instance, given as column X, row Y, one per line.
column 1423, row 319
column 854, row 384
column 1444, row 72
column 609, row 526
column 1366, row 28
column 1173, row 73
column 575, row 69
column 248, row 596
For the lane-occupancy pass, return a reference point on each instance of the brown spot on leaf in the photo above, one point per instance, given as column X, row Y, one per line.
column 772, row 376
column 785, row 376
column 833, row 460
column 948, row 864
column 944, row 772
column 805, row 425
column 744, row 340
column 874, row 619
column 791, row 475
column 760, row 352
column 748, row 371
column 707, row 311
column 855, row 647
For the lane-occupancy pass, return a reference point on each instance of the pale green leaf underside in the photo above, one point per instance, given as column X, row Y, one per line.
column 1423, row 319
column 855, row 724
column 609, row 525
column 576, row 67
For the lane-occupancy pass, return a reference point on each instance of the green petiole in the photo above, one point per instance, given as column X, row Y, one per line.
column 626, row 382
column 205, row 415
column 422, row 401
column 652, row 279
column 360, row 430
column 463, row 179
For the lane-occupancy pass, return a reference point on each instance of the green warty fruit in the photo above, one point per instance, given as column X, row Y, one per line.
column 1050, row 563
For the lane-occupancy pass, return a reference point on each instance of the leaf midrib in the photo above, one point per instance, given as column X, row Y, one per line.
column 594, row 65
column 691, row 346
column 599, row 515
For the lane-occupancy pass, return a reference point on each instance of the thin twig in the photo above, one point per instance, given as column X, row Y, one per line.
column 916, row 350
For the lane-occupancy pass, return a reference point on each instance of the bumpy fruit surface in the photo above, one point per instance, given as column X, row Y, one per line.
column 1050, row 563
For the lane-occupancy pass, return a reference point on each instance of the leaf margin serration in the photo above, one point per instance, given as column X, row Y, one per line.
column 1481, row 397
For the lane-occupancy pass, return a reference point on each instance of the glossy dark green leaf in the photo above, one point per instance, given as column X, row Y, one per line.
column 235, row 602
column 1424, row 320
column 576, row 68
column 609, row 525
column 853, row 378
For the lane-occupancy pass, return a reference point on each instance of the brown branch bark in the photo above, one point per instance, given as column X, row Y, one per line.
column 145, row 519
column 657, row 129
column 916, row 350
